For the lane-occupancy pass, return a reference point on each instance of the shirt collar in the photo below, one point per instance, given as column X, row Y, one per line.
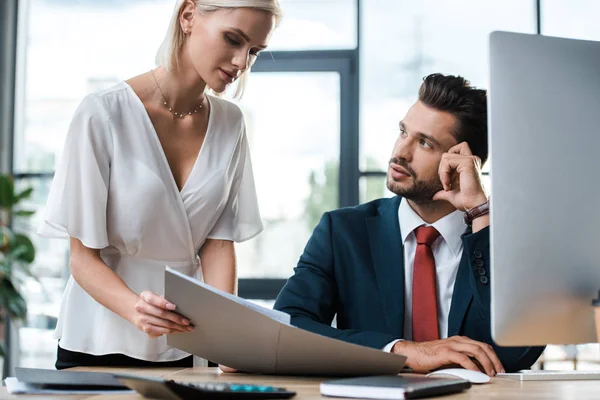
column 451, row 227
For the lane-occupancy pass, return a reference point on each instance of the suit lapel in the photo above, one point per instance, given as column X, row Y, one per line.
column 462, row 296
column 387, row 254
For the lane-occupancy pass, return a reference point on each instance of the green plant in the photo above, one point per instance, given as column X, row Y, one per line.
column 16, row 253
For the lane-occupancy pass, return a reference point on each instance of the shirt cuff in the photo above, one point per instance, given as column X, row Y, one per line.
column 388, row 347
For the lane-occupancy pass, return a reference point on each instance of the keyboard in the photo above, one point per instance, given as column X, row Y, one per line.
column 545, row 375
column 217, row 390
column 156, row 388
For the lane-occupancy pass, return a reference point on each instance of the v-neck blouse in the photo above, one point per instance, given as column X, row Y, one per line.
column 114, row 190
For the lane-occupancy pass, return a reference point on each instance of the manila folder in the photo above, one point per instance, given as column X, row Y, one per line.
column 234, row 332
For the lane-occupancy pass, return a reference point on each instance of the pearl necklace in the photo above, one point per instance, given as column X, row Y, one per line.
column 166, row 103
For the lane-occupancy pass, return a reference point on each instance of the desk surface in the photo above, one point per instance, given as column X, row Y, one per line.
column 308, row 388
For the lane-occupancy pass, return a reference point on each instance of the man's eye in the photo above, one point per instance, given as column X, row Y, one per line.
column 426, row 144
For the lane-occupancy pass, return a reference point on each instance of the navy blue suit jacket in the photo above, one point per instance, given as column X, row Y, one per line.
column 353, row 266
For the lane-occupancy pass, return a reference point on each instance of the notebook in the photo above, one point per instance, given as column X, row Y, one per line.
column 82, row 380
column 392, row 387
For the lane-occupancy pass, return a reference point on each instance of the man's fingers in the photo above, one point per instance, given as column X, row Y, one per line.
column 461, row 148
column 442, row 195
column 498, row 367
column 452, row 167
column 446, row 195
column 445, row 171
column 449, row 170
column 491, row 354
column 489, row 350
column 459, row 159
column 462, row 360
column 478, row 353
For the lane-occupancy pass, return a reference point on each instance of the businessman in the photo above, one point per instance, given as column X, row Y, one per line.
column 410, row 274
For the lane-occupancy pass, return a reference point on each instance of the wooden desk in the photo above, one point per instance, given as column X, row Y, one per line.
column 308, row 388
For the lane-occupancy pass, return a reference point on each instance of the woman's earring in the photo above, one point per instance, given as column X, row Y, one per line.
column 185, row 30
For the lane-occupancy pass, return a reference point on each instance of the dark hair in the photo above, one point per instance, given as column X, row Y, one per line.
column 455, row 95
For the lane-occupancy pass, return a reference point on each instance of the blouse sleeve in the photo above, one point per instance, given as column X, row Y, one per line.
column 77, row 201
column 240, row 220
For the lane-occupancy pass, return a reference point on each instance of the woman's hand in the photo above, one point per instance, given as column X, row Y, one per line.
column 154, row 316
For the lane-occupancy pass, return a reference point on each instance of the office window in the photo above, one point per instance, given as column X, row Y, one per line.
column 316, row 25
column 69, row 48
column 73, row 48
column 403, row 40
column 372, row 188
column 37, row 345
column 577, row 19
column 293, row 122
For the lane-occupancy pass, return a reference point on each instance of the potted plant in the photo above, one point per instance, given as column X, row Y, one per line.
column 16, row 255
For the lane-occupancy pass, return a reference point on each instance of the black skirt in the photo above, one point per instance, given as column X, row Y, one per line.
column 70, row 359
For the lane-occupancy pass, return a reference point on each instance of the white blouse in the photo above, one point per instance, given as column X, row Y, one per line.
column 114, row 190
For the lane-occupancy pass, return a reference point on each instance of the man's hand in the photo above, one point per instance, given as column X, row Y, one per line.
column 427, row 356
column 460, row 174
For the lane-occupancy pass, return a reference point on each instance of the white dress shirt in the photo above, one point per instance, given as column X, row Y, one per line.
column 114, row 191
column 447, row 252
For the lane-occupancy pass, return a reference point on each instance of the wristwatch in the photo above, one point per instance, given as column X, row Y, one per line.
column 477, row 212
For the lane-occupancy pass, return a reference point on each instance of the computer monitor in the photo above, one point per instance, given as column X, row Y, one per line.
column 544, row 127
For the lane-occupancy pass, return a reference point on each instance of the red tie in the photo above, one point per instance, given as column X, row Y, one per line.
column 424, row 294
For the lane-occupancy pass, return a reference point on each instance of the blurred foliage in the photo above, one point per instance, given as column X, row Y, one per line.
column 17, row 252
column 324, row 189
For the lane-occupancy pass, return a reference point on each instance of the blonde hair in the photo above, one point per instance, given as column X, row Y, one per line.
column 168, row 52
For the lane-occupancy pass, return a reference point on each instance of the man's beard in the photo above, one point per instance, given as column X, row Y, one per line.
column 421, row 192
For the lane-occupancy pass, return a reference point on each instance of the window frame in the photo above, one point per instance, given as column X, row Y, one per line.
column 345, row 63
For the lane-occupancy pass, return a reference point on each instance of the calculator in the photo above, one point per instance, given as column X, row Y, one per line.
column 156, row 388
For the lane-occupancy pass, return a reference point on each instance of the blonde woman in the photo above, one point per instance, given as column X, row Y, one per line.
column 157, row 172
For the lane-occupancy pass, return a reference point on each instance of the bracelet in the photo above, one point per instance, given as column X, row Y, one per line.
column 476, row 212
